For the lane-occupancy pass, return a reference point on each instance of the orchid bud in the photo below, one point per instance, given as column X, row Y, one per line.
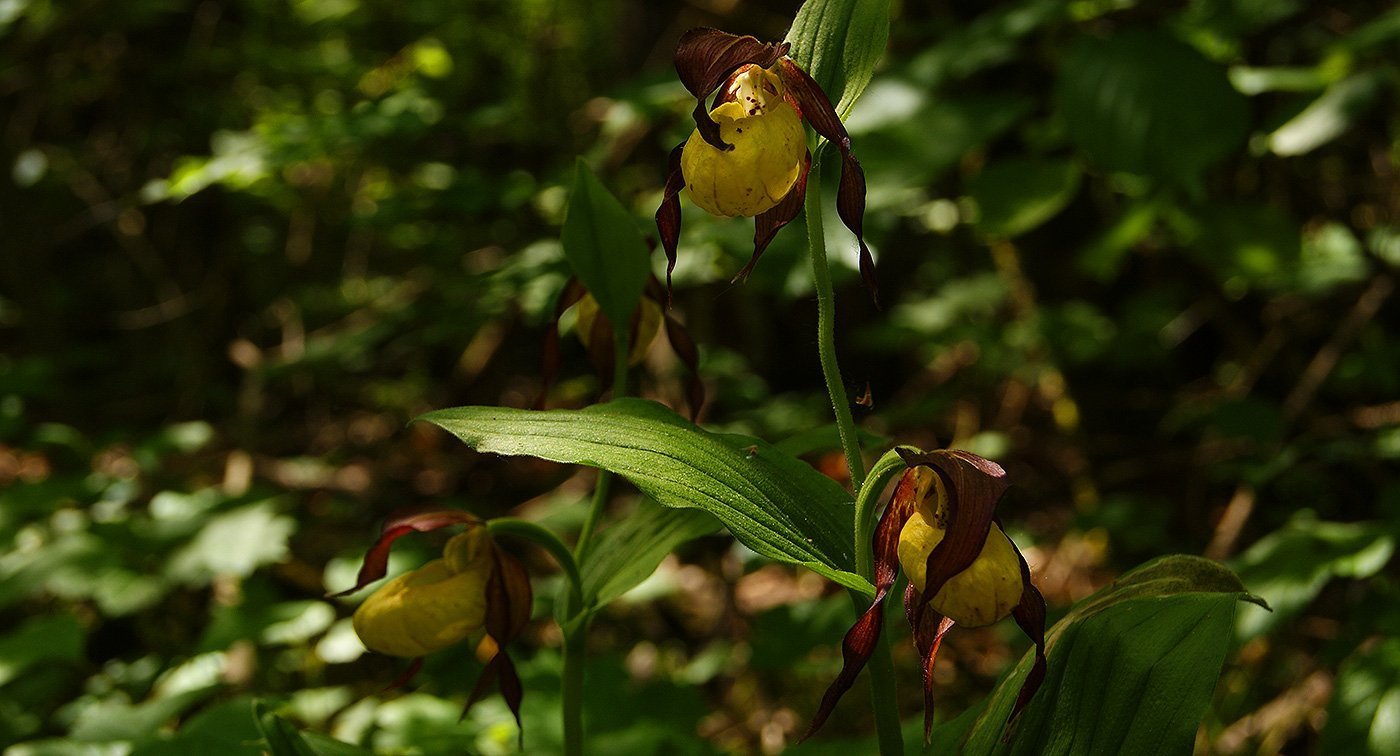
column 646, row 322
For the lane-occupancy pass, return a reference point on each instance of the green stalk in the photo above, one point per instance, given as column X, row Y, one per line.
column 574, row 651
column 826, row 328
column 576, row 627
column 881, row 668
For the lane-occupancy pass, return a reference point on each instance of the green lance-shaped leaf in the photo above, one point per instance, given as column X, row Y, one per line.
column 775, row 504
column 838, row 43
column 1131, row 668
column 628, row 552
column 605, row 247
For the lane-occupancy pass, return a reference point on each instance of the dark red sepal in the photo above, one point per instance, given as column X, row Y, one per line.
column 705, row 58
column 668, row 215
column 1030, row 616
column 860, row 641
column 850, row 194
column 928, row 628
column 549, row 352
column 509, row 600
column 768, row 223
column 376, row 563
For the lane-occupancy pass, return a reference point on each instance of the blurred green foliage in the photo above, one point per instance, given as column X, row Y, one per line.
column 1143, row 254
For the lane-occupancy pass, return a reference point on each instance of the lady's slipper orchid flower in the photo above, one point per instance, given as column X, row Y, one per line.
column 596, row 335
column 475, row 592
column 748, row 155
column 940, row 527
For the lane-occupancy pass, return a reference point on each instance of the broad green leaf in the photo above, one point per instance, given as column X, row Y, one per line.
column 1289, row 566
column 628, row 552
column 1017, row 195
column 838, row 43
column 776, row 505
column 1131, row 668
column 605, row 247
column 1144, row 102
column 1364, row 715
column 236, row 542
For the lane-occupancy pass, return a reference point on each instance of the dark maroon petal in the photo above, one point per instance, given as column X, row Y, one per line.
column 850, row 194
column 768, row 223
column 509, row 598
column 974, row 487
column 1030, row 615
column 928, row 628
column 376, row 563
column 549, row 352
column 704, row 60
column 859, row 643
column 685, row 349
column 668, row 216
column 406, row 677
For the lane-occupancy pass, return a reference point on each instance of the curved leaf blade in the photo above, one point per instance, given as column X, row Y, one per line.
column 838, row 43
column 1131, row 668
column 605, row 247
column 775, row 504
column 629, row 551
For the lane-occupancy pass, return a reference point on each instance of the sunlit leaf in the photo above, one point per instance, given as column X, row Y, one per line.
column 1329, row 116
column 1131, row 668
column 776, row 505
column 235, row 543
column 838, row 42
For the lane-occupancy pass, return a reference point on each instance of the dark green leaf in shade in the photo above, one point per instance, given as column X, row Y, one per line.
column 1364, row 714
column 1144, row 102
column 629, row 551
column 605, row 247
column 1018, row 194
column 1131, row 668
column 1289, row 566
column 56, row 638
column 838, row 43
column 775, row 504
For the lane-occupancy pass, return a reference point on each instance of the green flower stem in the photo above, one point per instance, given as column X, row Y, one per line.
column 867, row 498
column 826, row 328
column 882, row 683
column 576, row 619
column 574, row 652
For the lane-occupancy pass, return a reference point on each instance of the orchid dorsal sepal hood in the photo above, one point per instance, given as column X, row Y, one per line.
column 940, row 527
column 475, row 593
column 748, row 155
column 595, row 332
